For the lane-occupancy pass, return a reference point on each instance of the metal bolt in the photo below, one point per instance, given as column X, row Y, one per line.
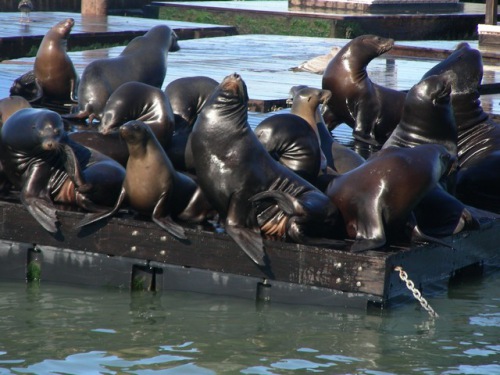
column 338, row 265
column 358, row 284
column 133, row 248
column 360, row 268
column 163, row 252
column 338, row 280
column 135, row 232
column 163, row 238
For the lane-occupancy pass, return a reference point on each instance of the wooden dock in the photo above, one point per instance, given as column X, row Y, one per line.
column 409, row 25
column 136, row 254
column 266, row 64
column 18, row 39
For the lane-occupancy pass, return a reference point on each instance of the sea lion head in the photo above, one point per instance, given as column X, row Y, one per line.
column 64, row 27
column 467, row 64
column 135, row 132
column 232, row 88
column 49, row 128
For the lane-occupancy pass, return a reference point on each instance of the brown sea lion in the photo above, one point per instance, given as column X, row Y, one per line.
column 187, row 97
column 47, row 167
column 244, row 182
column 153, row 187
column 372, row 110
column 338, row 157
column 131, row 101
column 144, row 59
column 53, row 68
column 377, row 198
column 478, row 175
column 10, row 105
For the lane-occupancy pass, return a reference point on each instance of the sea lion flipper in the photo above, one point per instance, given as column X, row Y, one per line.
column 250, row 242
column 43, row 212
column 418, row 236
column 285, row 201
column 92, row 218
column 72, row 167
column 167, row 223
column 361, row 245
column 164, row 220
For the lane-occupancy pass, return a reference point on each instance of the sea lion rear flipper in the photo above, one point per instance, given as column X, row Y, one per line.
column 250, row 241
column 72, row 167
column 43, row 212
column 92, row 218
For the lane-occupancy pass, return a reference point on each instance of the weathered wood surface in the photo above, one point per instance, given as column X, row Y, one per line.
column 265, row 63
column 371, row 273
column 16, row 39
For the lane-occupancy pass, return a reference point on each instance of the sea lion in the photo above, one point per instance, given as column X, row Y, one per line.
column 144, row 59
column 427, row 116
column 187, row 96
column 131, row 101
column 478, row 175
column 53, row 68
column 290, row 140
column 377, row 198
column 10, row 105
column 47, row 167
column 27, row 86
column 233, row 167
column 372, row 110
column 153, row 187
column 338, row 157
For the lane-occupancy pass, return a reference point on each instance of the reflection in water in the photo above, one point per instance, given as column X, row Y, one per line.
column 101, row 331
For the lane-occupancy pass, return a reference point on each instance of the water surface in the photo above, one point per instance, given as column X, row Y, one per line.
column 60, row 329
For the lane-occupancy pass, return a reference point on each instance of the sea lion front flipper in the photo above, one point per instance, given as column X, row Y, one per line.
column 366, row 244
column 92, row 218
column 43, row 212
column 250, row 241
column 165, row 221
column 418, row 236
column 285, row 201
column 248, row 237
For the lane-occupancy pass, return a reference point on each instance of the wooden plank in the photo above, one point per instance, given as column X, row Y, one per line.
column 491, row 12
column 127, row 237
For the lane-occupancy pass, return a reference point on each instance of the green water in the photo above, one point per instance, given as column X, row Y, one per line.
column 54, row 329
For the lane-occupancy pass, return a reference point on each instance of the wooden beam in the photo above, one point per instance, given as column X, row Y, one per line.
column 491, row 12
column 94, row 7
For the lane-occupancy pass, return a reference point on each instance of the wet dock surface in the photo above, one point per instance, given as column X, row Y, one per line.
column 266, row 62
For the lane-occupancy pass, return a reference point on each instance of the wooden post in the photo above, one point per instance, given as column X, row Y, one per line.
column 94, row 7
column 491, row 12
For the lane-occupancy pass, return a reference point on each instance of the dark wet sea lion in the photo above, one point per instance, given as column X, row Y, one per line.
column 27, row 87
column 153, row 187
column 187, row 97
column 338, row 157
column 290, row 140
column 47, row 167
column 427, row 116
column 53, row 68
column 377, row 198
column 131, row 101
column 233, row 167
column 144, row 59
column 372, row 110
column 478, row 175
